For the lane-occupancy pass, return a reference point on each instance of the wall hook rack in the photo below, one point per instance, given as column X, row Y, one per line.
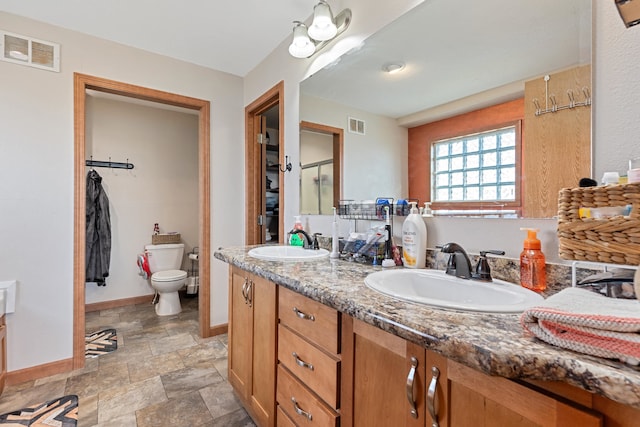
column 554, row 103
column 287, row 165
column 108, row 164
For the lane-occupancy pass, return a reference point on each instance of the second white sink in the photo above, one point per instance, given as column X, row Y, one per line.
column 287, row 253
column 435, row 288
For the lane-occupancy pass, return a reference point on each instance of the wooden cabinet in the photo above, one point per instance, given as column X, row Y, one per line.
column 459, row 396
column 252, row 343
column 309, row 362
column 383, row 378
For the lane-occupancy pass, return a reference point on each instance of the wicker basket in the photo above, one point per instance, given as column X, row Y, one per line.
column 613, row 240
column 163, row 239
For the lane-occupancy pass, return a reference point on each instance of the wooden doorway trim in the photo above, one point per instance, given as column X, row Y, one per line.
column 338, row 144
column 83, row 82
column 253, row 167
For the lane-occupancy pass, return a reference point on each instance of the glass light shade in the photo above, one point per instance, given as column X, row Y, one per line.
column 301, row 46
column 323, row 27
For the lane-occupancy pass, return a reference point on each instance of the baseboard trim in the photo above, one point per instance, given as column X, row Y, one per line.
column 218, row 329
column 105, row 305
column 39, row 371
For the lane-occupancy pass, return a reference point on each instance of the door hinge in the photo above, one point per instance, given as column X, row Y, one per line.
column 261, row 138
column 260, row 219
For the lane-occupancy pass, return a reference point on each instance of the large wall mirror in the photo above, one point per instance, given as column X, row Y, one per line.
column 452, row 58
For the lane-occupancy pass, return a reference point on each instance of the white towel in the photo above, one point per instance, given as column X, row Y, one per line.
column 583, row 321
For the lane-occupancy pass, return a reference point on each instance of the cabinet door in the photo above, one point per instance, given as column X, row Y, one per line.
column 459, row 396
column 252, row 343
column 383, row 378
column 262, row 297
column 240, row 332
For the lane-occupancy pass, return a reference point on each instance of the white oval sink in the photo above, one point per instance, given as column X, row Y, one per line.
column 435, row 288
column 287, row 253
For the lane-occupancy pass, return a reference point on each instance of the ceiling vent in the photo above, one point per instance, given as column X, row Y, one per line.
column 356, row 126
column 29, row 51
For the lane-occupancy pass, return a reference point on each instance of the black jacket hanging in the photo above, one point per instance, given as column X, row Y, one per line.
column 98, row 233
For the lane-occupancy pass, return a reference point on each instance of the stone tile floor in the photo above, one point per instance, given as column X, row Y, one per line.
column 162, row 374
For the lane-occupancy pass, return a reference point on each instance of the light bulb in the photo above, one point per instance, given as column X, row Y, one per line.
column 323, row 27
column 301, row 46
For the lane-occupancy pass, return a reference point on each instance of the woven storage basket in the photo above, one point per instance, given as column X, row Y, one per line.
column 613, row 240
column 163, row 239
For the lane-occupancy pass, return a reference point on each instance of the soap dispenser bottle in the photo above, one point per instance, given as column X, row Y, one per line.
column 297, row 239
column 414, row 240
column 532, row 263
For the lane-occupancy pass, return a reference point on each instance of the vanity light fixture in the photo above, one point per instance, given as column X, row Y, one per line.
column 393, row 67
column 323, row 29
column 629, row 11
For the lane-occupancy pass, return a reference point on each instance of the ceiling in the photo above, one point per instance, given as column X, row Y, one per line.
column 230, row 36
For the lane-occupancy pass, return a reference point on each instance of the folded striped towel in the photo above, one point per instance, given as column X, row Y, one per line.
column 583, row 321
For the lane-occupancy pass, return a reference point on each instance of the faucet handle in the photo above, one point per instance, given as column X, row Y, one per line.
column 483, row 271
column 316, row 245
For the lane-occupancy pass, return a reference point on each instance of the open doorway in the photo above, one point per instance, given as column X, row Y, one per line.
column 264, row 167
column 83, row 83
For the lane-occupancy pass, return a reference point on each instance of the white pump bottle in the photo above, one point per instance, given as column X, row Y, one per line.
column 414, row 240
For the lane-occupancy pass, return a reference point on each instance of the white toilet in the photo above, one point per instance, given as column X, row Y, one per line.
column 166, row 277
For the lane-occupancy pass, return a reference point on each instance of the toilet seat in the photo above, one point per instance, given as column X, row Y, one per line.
column 168, row 275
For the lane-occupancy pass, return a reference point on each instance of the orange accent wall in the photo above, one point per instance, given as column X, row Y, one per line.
column 421, row 137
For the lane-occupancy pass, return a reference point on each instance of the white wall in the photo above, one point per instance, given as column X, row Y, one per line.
column 161, row 188
column 616, row 90
column 375, row 164
column 36, row 176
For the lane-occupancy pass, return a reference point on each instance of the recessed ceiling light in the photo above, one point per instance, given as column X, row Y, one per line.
column 393, row 67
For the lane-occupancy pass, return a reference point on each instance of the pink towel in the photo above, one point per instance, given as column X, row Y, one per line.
column 583, row 321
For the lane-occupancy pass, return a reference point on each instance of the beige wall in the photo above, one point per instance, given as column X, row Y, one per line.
column 162, row 187
column 36, row 176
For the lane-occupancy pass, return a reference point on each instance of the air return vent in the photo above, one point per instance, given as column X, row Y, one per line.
column 356, row 126
column 29, row 51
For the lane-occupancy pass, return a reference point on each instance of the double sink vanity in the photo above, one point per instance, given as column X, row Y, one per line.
column 311, row 344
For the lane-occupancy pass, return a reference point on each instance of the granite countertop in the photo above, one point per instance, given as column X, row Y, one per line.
column 491, row 343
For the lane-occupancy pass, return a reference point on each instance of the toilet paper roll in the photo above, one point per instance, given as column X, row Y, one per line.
column 193, row 257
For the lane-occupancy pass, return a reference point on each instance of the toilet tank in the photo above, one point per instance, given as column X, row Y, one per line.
column 164, row 257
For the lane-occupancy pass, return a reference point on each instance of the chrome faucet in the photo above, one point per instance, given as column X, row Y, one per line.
column 459, row 264
column 309, row 242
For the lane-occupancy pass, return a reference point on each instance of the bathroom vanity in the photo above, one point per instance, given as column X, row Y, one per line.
column 310, row 344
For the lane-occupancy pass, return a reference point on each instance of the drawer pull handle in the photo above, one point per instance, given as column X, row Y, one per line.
column 244, row 289
column 303, row 315
column 301, row 362
column 431, row 396
column 410, row 387
column 299, row 411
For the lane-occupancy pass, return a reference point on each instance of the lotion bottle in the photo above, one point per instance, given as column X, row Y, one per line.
column 414, row 240
column 532, row 263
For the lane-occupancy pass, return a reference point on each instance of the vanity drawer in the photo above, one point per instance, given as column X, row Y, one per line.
column 314, row 321
column 315, row 368
column 282, row 419
column 302, row 406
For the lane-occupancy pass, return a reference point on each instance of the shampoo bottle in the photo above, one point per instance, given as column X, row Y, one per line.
column 296, row 239
column 532, row 263
column 414, row 240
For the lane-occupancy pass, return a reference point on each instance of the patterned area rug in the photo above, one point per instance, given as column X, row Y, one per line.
column 61, row 412
column 100, row 342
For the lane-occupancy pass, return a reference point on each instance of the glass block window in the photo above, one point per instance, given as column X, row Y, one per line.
column 475, row 168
